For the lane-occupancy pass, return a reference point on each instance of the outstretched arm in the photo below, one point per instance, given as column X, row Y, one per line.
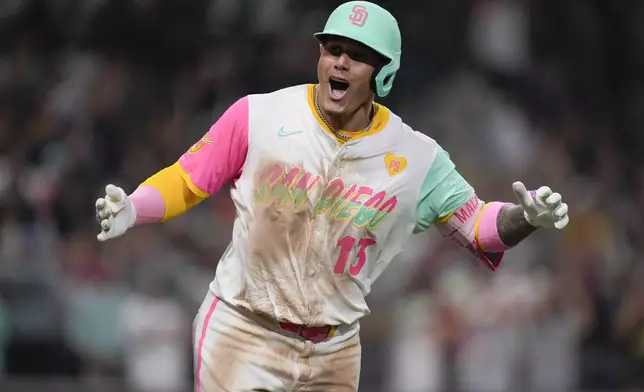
column 499, row 226
column 486, row 230
column 211, row 162
column 512, row 225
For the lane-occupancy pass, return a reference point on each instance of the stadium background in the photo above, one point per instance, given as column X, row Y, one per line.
column 98, row 91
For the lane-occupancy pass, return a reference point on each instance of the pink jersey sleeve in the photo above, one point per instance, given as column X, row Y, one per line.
column 220, row 155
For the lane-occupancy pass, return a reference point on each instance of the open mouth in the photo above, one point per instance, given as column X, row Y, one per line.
column 338, row 88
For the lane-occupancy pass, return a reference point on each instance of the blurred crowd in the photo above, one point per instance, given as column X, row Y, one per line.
column 99, row 91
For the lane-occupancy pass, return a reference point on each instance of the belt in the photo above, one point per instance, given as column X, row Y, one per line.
column 314, row 334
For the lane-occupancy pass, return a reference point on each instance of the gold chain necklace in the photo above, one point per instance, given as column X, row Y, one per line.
column 335, row 132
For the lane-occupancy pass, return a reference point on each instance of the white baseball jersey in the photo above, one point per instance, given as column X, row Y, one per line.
column 318, row 220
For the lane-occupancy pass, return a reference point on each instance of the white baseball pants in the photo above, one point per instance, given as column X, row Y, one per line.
column 237, row 351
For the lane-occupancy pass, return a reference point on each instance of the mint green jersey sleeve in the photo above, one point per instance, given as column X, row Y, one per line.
column 443, row 191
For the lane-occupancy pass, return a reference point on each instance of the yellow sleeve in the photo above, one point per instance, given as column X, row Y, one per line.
column 177, row 190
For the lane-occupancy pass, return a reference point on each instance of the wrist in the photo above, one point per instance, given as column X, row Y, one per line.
column 514, row 225
column 131, row 219
column 147, row 204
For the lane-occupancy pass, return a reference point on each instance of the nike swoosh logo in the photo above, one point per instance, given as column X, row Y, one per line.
column 283, row 132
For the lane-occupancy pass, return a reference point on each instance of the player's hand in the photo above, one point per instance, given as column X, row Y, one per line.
column 115, row 213
column 543, row 207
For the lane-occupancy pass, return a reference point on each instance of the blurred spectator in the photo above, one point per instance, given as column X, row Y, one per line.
column 156, row 335
column 5, row 336
column 95, row 295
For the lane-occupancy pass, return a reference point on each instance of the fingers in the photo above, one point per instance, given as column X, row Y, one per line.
column 544, row 201
column 103, row 214
column 561, row 214
column 553, row 200
column 543, row 193
column 105, row 227
column 114, row 193
column 560, row 224
column 114, row 199
column 522, row 195
column 106, row 208
column 561, row 211
column 102, row 211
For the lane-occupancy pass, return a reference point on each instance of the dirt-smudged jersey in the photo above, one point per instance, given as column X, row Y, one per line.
column 318, row 220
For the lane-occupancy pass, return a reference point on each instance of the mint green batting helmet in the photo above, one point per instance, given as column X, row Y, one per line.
column 375, row 27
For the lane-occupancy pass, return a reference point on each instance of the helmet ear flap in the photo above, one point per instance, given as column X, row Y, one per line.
column 382, row 87
column 374, row 75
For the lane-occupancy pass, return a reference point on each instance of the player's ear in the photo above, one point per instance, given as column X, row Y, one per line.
column 321, row 49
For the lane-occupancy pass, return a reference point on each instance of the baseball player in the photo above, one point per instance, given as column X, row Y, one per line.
column 328, row 185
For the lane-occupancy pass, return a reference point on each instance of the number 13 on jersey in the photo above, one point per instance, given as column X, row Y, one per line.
column 346, row 245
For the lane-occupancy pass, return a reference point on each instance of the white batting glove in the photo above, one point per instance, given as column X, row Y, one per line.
column 115, row 213
column 542, row 208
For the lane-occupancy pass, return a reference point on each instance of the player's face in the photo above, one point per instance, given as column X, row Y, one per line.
column 344, row 74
